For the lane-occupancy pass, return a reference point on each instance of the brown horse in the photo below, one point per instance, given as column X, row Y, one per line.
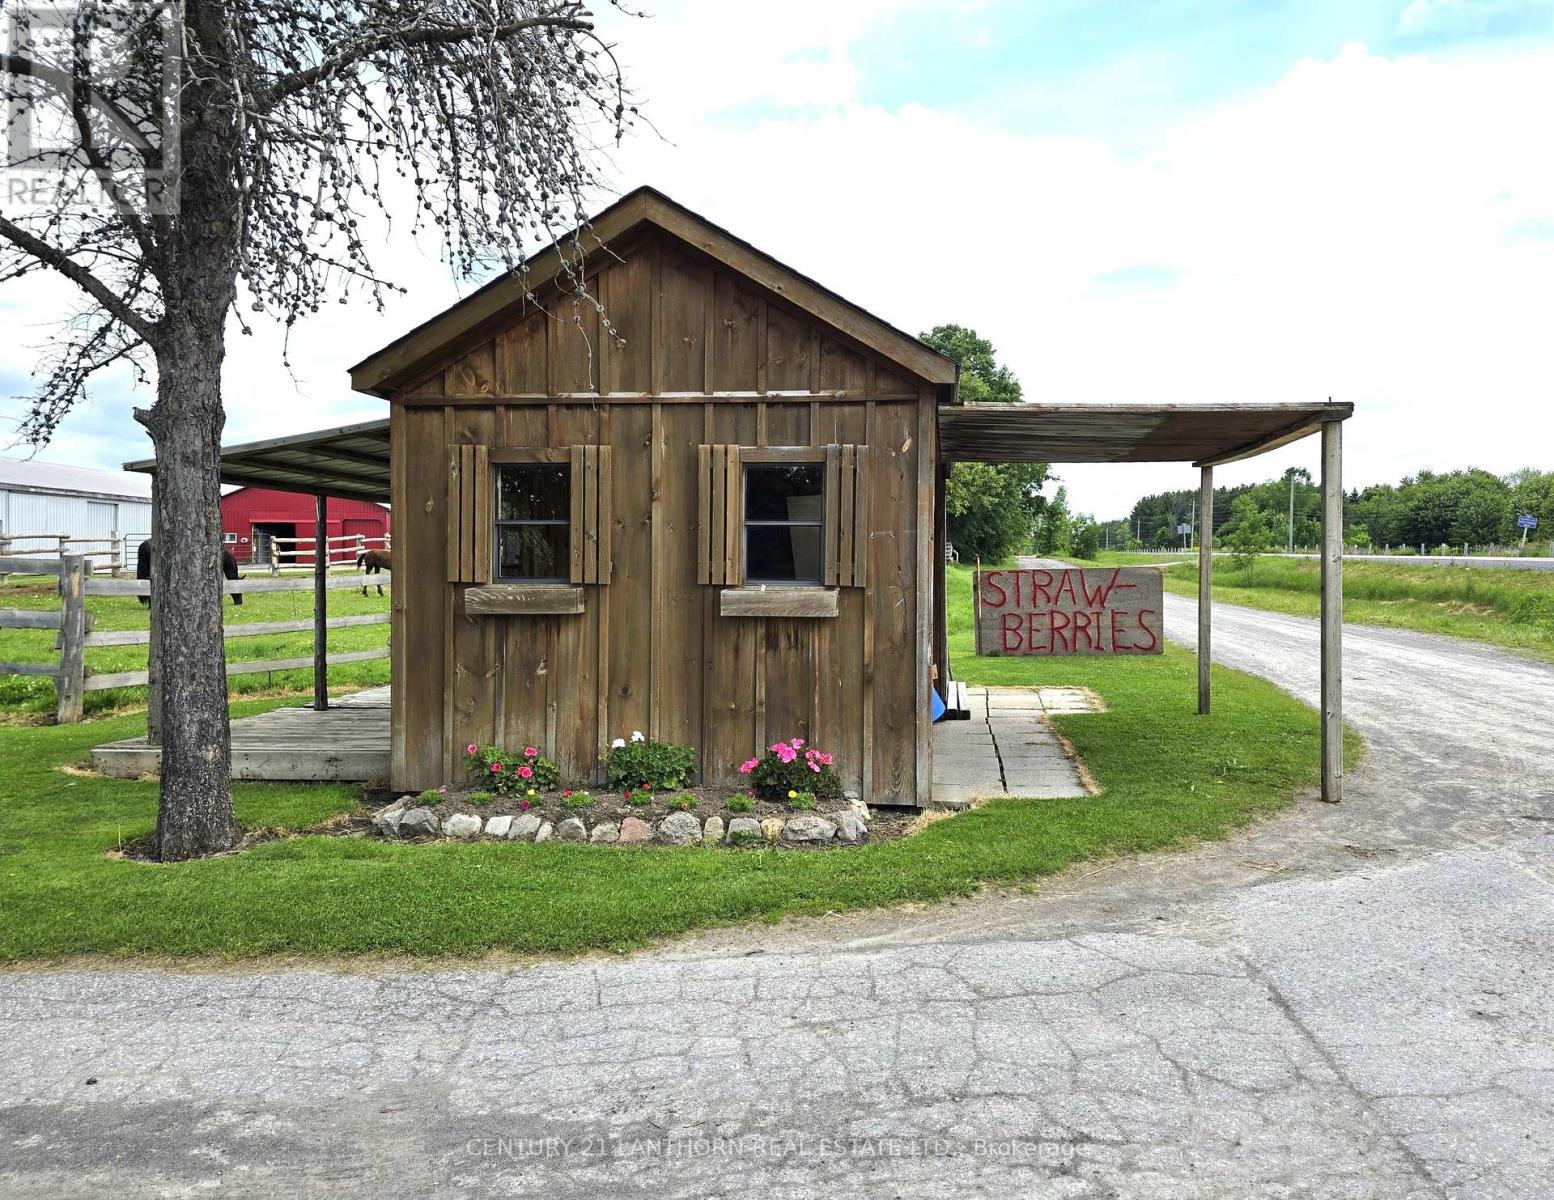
column 374, row 561
column 143, row 568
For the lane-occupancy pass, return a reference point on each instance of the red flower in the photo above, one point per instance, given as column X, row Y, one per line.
column 568, row 792
column 529, row 751
column 495, row 767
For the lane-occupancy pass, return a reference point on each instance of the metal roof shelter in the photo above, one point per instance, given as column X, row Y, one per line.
column 1206, row 435
column 350, row 461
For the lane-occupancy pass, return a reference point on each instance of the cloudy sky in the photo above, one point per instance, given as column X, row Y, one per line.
column 1183, row 200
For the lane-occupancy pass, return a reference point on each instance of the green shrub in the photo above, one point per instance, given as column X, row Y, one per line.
column 643, row 762
column 433, row 795
column 684, row 802
column 638, row 797
column 481, row 797
column 741, row 803
column 792, row 767
column 579, row 799
column 510, row 774
column 801, row 800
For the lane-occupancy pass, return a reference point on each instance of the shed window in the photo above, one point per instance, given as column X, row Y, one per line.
column 534, row 522
column 785, row 506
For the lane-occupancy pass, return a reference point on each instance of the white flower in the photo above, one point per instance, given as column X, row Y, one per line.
column 636, row 736
column 617, row 743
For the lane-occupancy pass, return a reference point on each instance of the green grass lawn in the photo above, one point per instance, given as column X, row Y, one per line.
column 1170, row 777
column 31, row 695
column 1511, row 609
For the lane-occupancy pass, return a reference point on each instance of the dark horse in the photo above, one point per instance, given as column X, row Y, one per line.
column 143, row 568
column 375, row 561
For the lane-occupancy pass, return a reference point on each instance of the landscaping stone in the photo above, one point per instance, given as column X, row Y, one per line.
column 771, row 828
column 524, row 826
column 418, row 820
column 542, row 834
column 386, row 820
column 498, row 826
column 808, row 827
column 712, row 831
column 744, row 829
column 571, row 830
column 680, row 829
column 605, row 831
column 462, row 825
column 634, row 829
column 850, row 827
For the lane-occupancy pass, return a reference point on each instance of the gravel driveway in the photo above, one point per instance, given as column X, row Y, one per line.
column 1352, row 1001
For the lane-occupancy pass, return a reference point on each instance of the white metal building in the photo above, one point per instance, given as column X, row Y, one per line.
column 41, row 500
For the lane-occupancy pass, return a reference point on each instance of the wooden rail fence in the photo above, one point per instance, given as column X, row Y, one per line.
column 73, row 679
column 340, row 551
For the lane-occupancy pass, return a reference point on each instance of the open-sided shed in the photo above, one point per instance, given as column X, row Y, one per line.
column 705, row 502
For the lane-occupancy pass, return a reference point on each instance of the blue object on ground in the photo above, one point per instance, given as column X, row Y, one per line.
column 938, row 704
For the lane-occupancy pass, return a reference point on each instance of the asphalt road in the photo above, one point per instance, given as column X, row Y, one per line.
column 1353, row 1000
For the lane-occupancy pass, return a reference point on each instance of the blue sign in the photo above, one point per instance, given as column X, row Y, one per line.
column 1527, row 521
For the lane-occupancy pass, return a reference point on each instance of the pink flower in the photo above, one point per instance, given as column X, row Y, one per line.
column 526, row 772
column 797, row 743
column 529, row 751
column 826, row 759
column 779, row 747
column 471, row 749
column 815, row 767
column 495, row 767
column 524, row 804
column 748, row 765
column 444, row 788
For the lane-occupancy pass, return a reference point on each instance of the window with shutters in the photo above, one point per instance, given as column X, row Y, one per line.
column 785, row 509
column 533, row 522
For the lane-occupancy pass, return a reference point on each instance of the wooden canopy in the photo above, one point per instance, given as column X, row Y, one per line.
column 1205, row 435
column 351, row 461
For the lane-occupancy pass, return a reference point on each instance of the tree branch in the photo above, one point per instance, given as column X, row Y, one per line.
column 425, row 36
column 67, row 87
column 81, row 277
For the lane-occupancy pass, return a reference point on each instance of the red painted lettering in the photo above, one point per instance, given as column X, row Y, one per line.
column 1060, row 622
column 1009, row 627
column 1041, row 585
column 990, row 584
column 1118, row 645
column 1153, row 640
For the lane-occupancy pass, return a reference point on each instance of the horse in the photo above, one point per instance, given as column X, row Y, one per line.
column 375, row 561
column 143, row 569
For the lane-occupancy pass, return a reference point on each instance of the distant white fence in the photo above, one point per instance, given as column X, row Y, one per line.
column 109, row 553
column 341, row 551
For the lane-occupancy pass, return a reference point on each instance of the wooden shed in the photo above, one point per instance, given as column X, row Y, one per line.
column 702, row 508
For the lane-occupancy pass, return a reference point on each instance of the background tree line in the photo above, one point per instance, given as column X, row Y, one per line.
column 1432, row 509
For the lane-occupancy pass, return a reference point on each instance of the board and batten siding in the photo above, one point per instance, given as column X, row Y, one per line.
column 650, row 650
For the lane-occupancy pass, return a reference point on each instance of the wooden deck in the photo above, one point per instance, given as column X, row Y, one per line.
column 347, row 742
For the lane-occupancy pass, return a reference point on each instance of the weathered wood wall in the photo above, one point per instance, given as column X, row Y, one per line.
column 704, row 352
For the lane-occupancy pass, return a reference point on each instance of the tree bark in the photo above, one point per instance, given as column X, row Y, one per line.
column 195, row 815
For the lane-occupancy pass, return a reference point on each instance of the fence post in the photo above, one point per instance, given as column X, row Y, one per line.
column 72, row 633
column 5, row 549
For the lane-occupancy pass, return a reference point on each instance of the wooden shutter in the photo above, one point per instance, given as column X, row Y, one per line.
column 591, row 489
column 720, row 529
column 847, row 516
column 470, row 521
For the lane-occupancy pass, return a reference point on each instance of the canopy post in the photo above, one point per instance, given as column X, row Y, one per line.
column 320, row 602
column 1205, row 583
column 1332, row 611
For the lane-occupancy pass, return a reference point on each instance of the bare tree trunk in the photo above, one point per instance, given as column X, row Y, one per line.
column 195, row 815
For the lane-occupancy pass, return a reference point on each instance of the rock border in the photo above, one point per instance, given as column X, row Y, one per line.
column 407, row 817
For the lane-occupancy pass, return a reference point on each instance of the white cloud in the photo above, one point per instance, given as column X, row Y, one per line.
column 1364, row 229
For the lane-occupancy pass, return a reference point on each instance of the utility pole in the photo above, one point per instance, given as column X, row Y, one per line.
column 1292, row 513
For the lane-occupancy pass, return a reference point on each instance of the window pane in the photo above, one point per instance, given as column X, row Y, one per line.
column 535, row 552
column 533, row 492
column 785, row 492
column 782, row 553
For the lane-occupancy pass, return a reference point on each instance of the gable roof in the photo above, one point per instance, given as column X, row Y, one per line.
column 401, row 361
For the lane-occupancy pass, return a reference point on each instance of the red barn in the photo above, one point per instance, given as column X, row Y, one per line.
column 252, row 517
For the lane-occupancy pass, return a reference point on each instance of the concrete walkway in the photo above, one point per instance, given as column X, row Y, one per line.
column 1006, row 748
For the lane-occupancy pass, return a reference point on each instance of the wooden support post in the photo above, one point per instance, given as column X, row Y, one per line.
column 1332, row 611
column 69, row 683
column 320, row 602
column 1205, row 584
column 153, row 650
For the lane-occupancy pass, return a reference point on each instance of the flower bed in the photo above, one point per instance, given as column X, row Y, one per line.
column 691, row 816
